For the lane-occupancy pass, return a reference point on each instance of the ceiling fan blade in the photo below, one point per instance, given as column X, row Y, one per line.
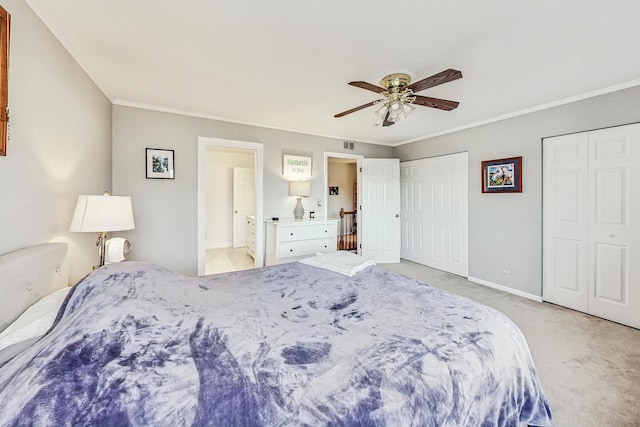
column 367, row 86
column 386, row 122
column 353, row 110
column 435, row 80
column 440, row 104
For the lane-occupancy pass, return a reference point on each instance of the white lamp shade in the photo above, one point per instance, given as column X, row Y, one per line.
column 299, row 188
column 102, row 213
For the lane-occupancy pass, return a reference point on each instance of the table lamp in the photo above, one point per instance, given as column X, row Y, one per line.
column 102, row 214
column 299, row 189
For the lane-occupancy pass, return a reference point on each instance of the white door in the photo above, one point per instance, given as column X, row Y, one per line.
column 380, row 220
column 244, row 203
column 614, row 215
column 446, row 216
column 412, row 211
column 564, row 219
column 591, row 237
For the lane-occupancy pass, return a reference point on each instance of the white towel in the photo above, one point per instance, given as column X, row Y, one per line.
column 342, row 262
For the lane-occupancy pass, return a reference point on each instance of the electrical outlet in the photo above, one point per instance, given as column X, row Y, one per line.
column 507, row 271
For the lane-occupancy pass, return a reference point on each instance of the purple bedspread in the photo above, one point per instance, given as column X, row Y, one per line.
column 291, row 345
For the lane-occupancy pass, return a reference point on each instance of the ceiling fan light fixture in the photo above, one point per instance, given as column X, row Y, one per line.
column 407, row 109
column 398, row 95
column 395, row 105
column 382, row 111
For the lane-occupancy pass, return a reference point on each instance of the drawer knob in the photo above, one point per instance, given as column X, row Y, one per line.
column 292, row 234
column 325, row 246
column 290, row 250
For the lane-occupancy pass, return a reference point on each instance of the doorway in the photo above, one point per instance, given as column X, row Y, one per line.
column 222, row 235
column 342, row 173
column 378, row 205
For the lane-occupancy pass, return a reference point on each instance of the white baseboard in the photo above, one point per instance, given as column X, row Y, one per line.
column 505, row 289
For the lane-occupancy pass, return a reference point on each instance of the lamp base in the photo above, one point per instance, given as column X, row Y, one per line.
column 298, row 212
column 101, row 244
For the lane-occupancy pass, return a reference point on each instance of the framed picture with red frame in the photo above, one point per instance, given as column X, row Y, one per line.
column 502, row 175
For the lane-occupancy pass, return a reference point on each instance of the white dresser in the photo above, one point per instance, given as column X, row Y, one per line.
column 251, row 236
column 291, row 239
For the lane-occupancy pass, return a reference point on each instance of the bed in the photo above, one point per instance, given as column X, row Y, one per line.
column 288, row 345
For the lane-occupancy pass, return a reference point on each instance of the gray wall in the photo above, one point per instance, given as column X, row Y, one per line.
column 505, row 230
column 166, row 210
column 59, row 147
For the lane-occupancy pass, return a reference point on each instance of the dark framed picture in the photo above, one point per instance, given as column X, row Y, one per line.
column 160, row 164
column 502, row 175
column 333, row 191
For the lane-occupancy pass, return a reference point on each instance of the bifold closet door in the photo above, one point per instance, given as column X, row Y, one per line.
column 412, row 211
column 591, row 215
column 614, row 217
column 434, row 213
column 564, row 217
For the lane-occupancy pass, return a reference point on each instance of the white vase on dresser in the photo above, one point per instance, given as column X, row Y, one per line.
column 289, row 240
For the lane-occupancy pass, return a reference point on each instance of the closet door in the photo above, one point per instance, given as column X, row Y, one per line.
column 591, row 222
column 412, row 175
column 446, row 220
column 614, row 215
column 434, row 212
column 564, row 217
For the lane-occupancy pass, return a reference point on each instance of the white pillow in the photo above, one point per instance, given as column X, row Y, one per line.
column 35, row 321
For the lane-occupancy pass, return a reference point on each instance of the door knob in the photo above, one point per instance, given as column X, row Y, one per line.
column 235, row 211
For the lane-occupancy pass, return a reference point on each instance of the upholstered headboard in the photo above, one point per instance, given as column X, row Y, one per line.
column 28, row 274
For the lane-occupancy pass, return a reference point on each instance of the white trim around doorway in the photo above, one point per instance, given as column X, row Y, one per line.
column 203, row 143
column 328, row 154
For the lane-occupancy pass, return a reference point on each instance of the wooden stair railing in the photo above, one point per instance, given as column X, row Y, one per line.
column 348, row 231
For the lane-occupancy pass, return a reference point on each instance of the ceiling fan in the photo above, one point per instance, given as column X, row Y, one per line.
column 399, row 98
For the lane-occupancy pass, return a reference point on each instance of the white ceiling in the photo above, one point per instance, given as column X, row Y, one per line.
column 286, row 63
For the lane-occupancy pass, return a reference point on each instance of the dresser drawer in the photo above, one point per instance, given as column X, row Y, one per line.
column 306, row 247
column 289, row 234
column 288, row 240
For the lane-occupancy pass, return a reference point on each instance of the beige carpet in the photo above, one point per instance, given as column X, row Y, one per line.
column 589, row 367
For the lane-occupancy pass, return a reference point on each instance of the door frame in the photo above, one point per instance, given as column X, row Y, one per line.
column 358, row 158
column 203, row 143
